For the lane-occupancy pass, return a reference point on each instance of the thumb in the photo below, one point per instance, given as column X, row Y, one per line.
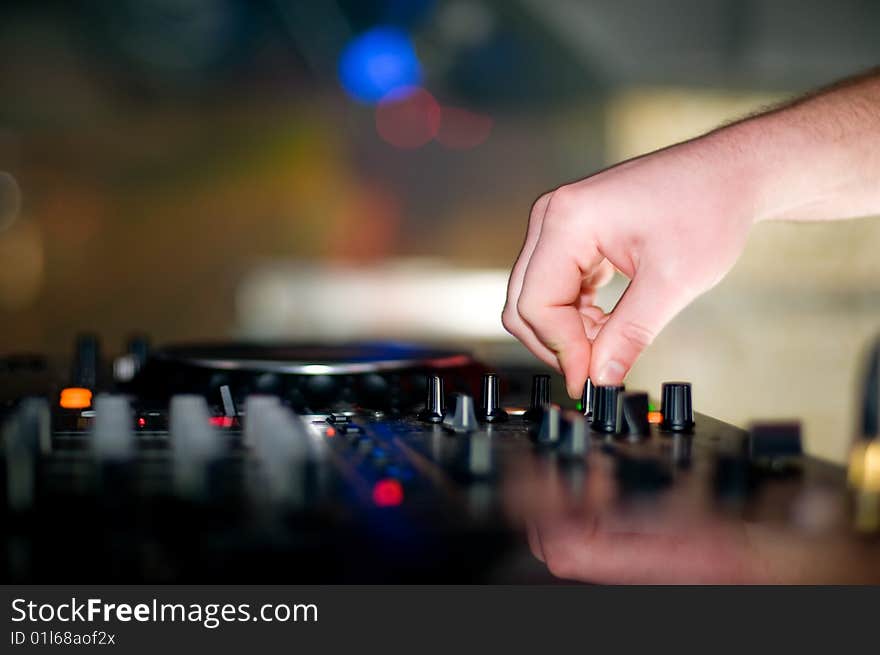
column 646, row 307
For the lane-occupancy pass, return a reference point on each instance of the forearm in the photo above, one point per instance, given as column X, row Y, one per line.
column 817, row 158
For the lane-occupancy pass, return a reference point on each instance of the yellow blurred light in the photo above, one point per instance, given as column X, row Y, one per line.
column 871, row 473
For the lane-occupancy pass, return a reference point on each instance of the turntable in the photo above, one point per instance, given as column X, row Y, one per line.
column 363, row 463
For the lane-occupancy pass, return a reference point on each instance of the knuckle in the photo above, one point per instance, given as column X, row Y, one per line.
column 637, row 335
column 539, row 206
column 528, row 310
column 508, row 320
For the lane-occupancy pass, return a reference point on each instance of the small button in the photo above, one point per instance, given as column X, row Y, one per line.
column 75, row 398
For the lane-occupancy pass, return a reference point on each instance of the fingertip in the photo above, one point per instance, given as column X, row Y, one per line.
column 574, row 388
column 575, row 366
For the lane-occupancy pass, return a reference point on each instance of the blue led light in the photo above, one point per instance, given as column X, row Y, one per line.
column 376, row 63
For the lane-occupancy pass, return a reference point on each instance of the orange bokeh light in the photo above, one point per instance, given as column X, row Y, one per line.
column 75, row 398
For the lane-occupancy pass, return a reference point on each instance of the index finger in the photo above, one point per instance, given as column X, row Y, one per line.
column 548, row 301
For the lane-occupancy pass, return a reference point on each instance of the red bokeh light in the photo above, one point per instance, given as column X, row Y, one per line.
column 387, row 493
column 408, row 120
column 460, row 128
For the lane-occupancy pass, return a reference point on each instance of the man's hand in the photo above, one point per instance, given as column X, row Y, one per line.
column 674, row 222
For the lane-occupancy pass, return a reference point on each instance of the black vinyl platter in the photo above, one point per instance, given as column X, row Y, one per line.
column 310, row 378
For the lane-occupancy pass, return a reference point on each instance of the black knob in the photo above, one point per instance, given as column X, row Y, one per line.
column 634, row 414
column 606, row 411
column 575, row 439
column 587, row 398
column 540, row 397
column 435, row 401
column 490, row 404
column 677, row 407
column 86, row 362
column 775, row 442
column 550, row 431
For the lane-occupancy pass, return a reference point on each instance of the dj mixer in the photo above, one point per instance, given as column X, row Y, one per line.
column 371, row 462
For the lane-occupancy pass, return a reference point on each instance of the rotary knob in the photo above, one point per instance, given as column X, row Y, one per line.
column 587, row 398
column 634, row 414
column 195, row 444
column 551, row 426
column 540, row 397
column 112, row 438
column 575, row 440
column 490, row 407
column 435, row 401
column 606, row 414
column 677, row 407
column 464, row 418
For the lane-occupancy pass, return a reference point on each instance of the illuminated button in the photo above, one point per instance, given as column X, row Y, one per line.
column 655, row 417
column 387, row 493
column 221, row 421
column 75, row 398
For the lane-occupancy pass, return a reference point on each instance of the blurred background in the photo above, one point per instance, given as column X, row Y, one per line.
column 204, row 169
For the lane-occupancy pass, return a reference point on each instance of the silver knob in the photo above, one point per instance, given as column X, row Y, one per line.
column 464, row 418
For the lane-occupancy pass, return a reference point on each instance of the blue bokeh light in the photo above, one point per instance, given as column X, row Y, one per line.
column 376, row 63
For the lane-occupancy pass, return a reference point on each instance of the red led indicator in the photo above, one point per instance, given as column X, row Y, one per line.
column 141, row 422
column 331, row 432
column 221, row 421
column 387, row 493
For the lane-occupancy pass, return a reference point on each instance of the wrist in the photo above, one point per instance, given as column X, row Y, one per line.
column 731, row 174
column 805, row 162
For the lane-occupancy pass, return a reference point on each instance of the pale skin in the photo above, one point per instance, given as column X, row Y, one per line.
column 674, row 222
